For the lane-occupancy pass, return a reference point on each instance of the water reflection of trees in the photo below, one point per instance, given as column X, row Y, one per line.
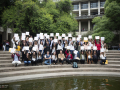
column 68, row 83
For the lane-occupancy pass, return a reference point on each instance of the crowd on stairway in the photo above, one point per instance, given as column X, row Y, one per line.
column 56, row 48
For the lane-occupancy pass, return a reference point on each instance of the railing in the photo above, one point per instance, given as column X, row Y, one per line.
column 88, row 17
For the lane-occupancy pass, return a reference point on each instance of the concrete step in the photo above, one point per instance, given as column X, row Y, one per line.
column 113, row 51
column 113, row 56
column 5, row 55
column 113, row 59
column 55, row 75
column 6, row 61
column 20, row 68
column 5, row 58
column 4, row 52
column 55, row 70
column 113, row 62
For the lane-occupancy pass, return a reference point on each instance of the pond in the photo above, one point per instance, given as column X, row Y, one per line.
column 68, row 83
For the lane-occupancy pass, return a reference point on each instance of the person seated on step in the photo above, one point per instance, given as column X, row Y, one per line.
column 16, row 60
column 27, row 60
column 95, row 58
column 89, row 57
column 76, row 56
column 82, row 57
column 102, row 57
column 69, row 58
column 39, row 58
column 61, row 57
column 34, row 59
column 47, row 59
column 54, row 58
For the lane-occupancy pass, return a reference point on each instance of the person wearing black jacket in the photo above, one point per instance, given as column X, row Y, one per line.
column 27, row 60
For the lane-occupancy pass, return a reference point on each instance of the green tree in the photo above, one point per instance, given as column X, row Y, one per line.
column 108, row 25
column 33, row 16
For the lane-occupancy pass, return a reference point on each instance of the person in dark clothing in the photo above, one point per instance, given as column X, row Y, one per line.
column 27, row 60
column 4, row 45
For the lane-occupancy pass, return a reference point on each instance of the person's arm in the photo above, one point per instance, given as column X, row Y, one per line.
column 71, row 56
column 100, row 42
column 12, row 56
column 66, row 52
column 66, row 55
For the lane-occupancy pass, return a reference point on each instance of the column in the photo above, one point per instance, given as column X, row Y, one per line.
column 79, row 27
column 88, row 8
column 98, row 7
column 79, row 8
column 88, row 25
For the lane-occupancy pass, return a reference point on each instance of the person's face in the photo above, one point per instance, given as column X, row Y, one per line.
column 82, row 52
column 60, row 52
column 69, row 52
column 59, row 42
column 39, row 52
column 34, row 53
column 24, row 44
column 89, row 52
column 54, row 53
column 51, row 39
column 47, row 52
column 97, row 42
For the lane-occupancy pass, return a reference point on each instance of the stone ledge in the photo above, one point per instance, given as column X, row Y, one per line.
column 55, row 75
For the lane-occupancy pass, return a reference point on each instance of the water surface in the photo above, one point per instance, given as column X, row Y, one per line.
column 69, row 83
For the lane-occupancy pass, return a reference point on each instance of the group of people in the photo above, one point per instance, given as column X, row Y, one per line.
column 54, row 50
column 6, row 45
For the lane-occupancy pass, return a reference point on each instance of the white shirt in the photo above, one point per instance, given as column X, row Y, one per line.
column 102, row 57
column 89, row 56
column 53, row 57
column 39, row 57
column 41, row 47
column 59, row 47
column 82, row 56
column 72, row 47
column 33, row 59
column 53, row 50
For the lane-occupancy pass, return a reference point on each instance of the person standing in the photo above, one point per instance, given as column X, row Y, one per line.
column 4, row 45
column 7, row 46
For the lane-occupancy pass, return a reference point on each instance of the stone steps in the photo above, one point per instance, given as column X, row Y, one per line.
column 6, row 61
column 55, row 70
column 113, row 51
column 55, row 75
column 21, row 68
column 113, row 62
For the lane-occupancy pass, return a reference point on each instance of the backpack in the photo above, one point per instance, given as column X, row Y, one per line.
column 75, row 65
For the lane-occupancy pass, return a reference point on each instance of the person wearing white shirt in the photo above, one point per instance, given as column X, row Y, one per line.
column 54, row 58
column 103, row 58
column 72, row 48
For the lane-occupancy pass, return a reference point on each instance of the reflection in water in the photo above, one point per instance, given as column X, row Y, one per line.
column 69, row 83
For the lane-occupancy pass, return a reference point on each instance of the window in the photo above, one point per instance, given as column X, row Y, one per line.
column 102, row 4
column 93, row 4
column 75, row 6
column 84, row 5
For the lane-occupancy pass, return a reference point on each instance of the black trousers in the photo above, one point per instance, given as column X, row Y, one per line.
column 82, row 61
column 69, row 61
column 75, row 60
column 95, row 60
column 39, row 61
column 98, row 54
column 102, row 61
column 62, row 61
column 33, row 62
column 55, row 61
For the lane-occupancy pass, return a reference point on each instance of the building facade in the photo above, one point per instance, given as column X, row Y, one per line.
column 85, row 11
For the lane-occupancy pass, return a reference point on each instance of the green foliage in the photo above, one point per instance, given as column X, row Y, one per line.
column 33, row 16
column 109, row 23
